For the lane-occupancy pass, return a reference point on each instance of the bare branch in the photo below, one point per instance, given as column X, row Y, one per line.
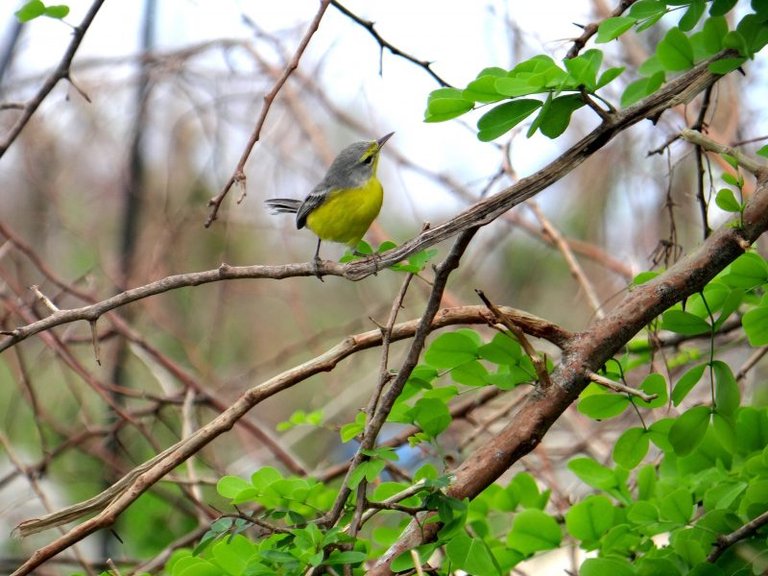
column 371, row 28
column 238, row 176
column 747, row 162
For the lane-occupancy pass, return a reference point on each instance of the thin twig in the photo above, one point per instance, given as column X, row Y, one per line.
column 539, row 363
column 591, row 29
column 376, row 420
column 699, row 125
column 749, row 163
column 725, row 541
column 573, row 265
column 370, row 27
column 619, row 387
column 238, row 176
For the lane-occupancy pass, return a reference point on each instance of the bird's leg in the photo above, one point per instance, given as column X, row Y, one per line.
column 316, row 262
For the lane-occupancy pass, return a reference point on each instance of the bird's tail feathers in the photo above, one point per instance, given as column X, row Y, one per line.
column 281, row 205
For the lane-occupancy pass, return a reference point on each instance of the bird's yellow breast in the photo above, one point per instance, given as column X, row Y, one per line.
column 346, row 215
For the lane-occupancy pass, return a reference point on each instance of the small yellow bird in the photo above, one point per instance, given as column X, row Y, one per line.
column 347, row 200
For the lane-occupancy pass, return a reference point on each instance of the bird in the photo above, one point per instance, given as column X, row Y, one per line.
column 345, row 202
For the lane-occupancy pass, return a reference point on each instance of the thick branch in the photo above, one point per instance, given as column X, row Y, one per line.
column 587, row 352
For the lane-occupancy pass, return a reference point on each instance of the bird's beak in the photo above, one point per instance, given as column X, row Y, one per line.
column 381, row 141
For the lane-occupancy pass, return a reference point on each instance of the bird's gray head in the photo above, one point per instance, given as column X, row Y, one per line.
column 356, row 164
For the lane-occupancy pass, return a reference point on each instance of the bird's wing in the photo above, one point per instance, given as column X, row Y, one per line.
column 311, row 202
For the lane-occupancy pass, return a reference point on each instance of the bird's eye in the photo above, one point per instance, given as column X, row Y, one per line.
column 368, row 159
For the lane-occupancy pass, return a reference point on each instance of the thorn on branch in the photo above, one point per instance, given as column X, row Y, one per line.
column 539, row 361
column 621, row 388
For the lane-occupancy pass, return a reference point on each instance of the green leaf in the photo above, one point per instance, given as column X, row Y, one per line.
column 609, row 76
column 721, row 7
column 641, row 88
column 658, row 433
column 675, row 51
column 688, row 430
column 722, row 495
column 631, row 447
column 558, row 116
column 755, row 34
column 727, row 176
column 763, row 151
column 755, row 323
column 30, row 11
column 231, row 486
column 593, row 473
column 446, row 103
column 605, row 567
column 504, row 117
column 712, row 34
column 431, row 415
column 532, row 531
column 643, row 513
column 603, row 406
column 483, row 89
column 748, row 271
column 654, row 384
column 514, row 87
column 646, row 482
column 692, row 15
column 57, row 11
column 724, row 430
column 345, row 557
column 727, row 201
column 736, row 41
column 686, row 383
column 648, row 22
column 350, row 430
column 677, row 506
column 643, row 9
column 502, row 350
column 590, row 519
column 683, row 322
column 404, row 561
column 470, row 374
column 526, row 491
column 648, row 566
column 583, row 69
column 450, row 350
column 471, row 555
column 611, row 28
column 727, row 395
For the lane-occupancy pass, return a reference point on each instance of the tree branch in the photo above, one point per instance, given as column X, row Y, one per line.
column 370, row 27
column 587, row 352
column 61, row 73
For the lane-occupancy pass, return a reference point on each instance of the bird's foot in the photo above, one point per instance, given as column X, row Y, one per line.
column 316, row 268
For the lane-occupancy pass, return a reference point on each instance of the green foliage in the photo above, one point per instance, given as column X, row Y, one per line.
column 35, row 8
column 563, row 89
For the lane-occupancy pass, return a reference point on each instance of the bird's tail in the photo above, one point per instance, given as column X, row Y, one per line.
column 280, row 205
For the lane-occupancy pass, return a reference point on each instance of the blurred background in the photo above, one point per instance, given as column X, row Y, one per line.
column 107, row 188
